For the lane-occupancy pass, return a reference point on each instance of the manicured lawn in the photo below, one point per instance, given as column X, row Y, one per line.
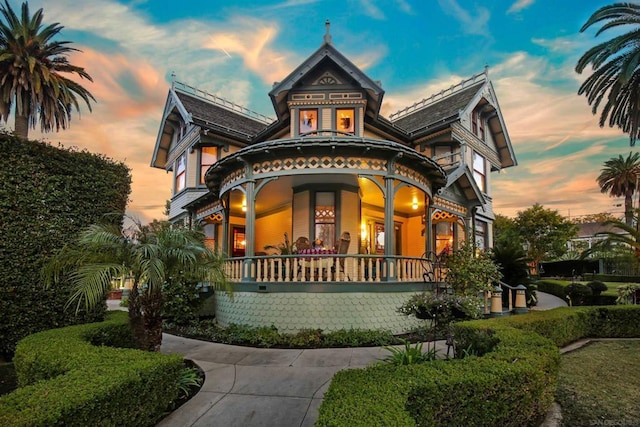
column 600, row 384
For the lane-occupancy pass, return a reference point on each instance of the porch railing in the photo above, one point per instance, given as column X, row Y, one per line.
column 329, row 268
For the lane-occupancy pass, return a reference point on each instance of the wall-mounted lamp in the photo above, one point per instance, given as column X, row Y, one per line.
column 244, row 205
column 415, row 204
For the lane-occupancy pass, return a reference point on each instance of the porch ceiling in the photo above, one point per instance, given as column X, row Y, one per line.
column 278, row 193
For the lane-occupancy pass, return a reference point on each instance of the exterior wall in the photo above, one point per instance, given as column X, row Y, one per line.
column 270, row 230
column 192, row 169
column 186, row 196
column 350, row 222
column 327, row 118
column 414, row 240
column 293, row 311
column 301, row 215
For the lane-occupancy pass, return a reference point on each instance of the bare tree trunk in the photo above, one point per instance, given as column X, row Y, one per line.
column 21, row 126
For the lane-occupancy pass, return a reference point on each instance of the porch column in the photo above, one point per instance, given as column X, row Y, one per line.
column 224, row 243
column 428, row 224
column 389, row 232
column 249, row 271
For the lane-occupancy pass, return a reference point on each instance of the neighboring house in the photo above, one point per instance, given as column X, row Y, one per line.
column 327, row 168
column 589, row 234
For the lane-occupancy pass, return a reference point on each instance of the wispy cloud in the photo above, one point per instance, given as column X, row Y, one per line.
column 557, row 140
column 520, row 5
column 475, row 22
column 370, row 9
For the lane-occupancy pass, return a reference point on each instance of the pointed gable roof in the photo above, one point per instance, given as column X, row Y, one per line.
column 450, row 105
column 186, row 104
column 463, row 177
column 444, row 110
column 327, row 55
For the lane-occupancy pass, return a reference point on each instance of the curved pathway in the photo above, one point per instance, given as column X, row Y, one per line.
column 256, row 387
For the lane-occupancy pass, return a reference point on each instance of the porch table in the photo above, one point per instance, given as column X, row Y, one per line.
column 318, row 264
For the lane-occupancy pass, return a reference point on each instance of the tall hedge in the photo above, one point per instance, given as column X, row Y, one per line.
column 47, row 195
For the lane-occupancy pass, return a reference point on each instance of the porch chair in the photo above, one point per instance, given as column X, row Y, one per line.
column 302, row 243
column 342, row 248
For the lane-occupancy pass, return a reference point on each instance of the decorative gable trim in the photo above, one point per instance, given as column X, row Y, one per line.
column 327, row 79
column 159, row 159
column 280, row 91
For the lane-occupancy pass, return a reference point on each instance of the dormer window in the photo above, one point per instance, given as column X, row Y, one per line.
column 345, row 120
column 308, row 120
column 477, row 124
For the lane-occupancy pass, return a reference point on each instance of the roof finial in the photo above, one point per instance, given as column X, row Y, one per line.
column 486, row 70
column 327, row 34
column 173, row 79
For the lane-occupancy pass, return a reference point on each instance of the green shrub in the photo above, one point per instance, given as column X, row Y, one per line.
column 65, row 380
column 512, row 384
column 597, row 287
column 579, row 294
column 47, row 195
column 553, row 287
column 409, row 354
column 270, row 337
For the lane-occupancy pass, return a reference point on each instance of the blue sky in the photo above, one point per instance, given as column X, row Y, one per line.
column 237, row 49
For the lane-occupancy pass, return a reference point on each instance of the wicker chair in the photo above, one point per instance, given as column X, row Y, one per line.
column 342, row 248
column 303, row 243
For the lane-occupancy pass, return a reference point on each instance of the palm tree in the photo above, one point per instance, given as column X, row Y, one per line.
column 151, row 255
column 623, row 243
column 31, row 73
column 616, row 69
column 619, row 177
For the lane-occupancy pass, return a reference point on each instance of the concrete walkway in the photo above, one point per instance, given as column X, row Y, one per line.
column 252, row 387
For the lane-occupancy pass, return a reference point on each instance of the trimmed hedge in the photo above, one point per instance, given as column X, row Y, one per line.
column 510, row 383
column 47, row 195
column 553, row 287
column 70, row 377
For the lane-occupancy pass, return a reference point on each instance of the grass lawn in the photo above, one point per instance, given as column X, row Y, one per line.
column 600, row 384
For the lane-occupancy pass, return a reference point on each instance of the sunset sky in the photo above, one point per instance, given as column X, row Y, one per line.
column 237, row 49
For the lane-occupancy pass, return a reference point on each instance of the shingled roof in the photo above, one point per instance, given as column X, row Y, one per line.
column 439, row 111
column 212, row 115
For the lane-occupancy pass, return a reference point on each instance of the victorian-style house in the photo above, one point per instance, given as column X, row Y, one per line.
column 331, row 215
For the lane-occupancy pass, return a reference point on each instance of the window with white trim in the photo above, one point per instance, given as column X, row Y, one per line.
column 208, row 156
column 479, row 171
column 181, row 172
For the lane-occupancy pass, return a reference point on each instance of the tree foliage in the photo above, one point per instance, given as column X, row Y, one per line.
column 544, row 233
column 616, row 75
column 469, row 273
column 596, row 217
column 156, row 257
column 505, row 229
column 47, row 195
column 619, row 177
column 32, row 73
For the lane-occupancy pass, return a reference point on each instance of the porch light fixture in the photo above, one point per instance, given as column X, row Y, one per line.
column 415, row 204
column 244, row 205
